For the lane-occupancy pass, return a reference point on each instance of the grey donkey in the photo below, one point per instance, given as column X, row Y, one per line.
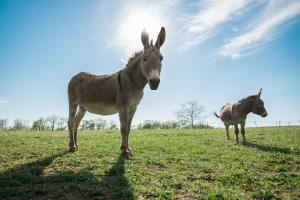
column 236, row 113
column 120, row 92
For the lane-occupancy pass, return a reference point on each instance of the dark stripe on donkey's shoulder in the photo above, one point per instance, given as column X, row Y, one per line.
column 119, row 79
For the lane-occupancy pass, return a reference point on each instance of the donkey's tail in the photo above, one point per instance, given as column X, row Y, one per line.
column 216, row 115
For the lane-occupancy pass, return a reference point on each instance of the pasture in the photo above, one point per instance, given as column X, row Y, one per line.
column 166, row 164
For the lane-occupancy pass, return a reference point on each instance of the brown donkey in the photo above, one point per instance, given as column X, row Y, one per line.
column 120, row 92
column 236, row 113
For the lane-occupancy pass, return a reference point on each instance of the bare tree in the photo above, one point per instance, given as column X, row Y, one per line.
column 62, row 123
column 88, row 125
column 92, row 125
column 149, row 124
column 100, row 123
column 113, row 125
column 40, row 124
column 52, row 120
column 190, row 113
column 169, row 125
column 19, row 124
column 85, row 124
column 3, row 124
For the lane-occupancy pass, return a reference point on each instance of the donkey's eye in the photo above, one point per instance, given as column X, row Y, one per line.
column 161, row 58
column 145, row 59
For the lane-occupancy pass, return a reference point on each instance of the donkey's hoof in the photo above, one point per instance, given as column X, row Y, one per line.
column 126, row 152
column 72, row 149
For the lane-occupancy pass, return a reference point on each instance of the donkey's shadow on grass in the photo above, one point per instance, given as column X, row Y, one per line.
column 28, row 182
column 272, row 149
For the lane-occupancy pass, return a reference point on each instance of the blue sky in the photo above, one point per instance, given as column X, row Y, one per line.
column 215, row 52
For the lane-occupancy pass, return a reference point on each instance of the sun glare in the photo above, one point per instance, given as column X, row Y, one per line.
column 132, row 23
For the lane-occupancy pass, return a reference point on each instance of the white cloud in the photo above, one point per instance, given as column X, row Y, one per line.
column 3, row 103
column 211, row 14
column 263, row 29
column 189, row 24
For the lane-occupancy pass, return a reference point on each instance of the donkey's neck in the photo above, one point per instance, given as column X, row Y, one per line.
column 134, row 74
column 246, row 106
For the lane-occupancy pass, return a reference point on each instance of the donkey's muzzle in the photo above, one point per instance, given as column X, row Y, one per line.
column 264, row 114
column 154, row 82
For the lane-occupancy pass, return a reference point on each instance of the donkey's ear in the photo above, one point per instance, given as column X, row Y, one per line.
column 160, row 38
column 145, row 39
column 259, row 93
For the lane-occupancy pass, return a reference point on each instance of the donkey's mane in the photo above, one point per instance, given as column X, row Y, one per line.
column 135, row 55
column 251, row 97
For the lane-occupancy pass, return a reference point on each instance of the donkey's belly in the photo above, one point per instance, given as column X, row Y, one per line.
column 101, row 109
column 234, row 121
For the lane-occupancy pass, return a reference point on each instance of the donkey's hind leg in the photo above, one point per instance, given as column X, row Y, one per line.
column 227, row 132
column 79, row 115
column 71, row 124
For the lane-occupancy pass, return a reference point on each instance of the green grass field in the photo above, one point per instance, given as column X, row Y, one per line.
column 166, row 164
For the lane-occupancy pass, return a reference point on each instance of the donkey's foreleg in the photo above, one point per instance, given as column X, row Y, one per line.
column 80, row 114
column 243, row 131
column 236, row 131
column 71, row 123
column 130, row 117
column 124, row 116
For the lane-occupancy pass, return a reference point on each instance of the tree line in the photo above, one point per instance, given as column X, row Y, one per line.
column 172, row 124
column 54, row 122
column 190, row 115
